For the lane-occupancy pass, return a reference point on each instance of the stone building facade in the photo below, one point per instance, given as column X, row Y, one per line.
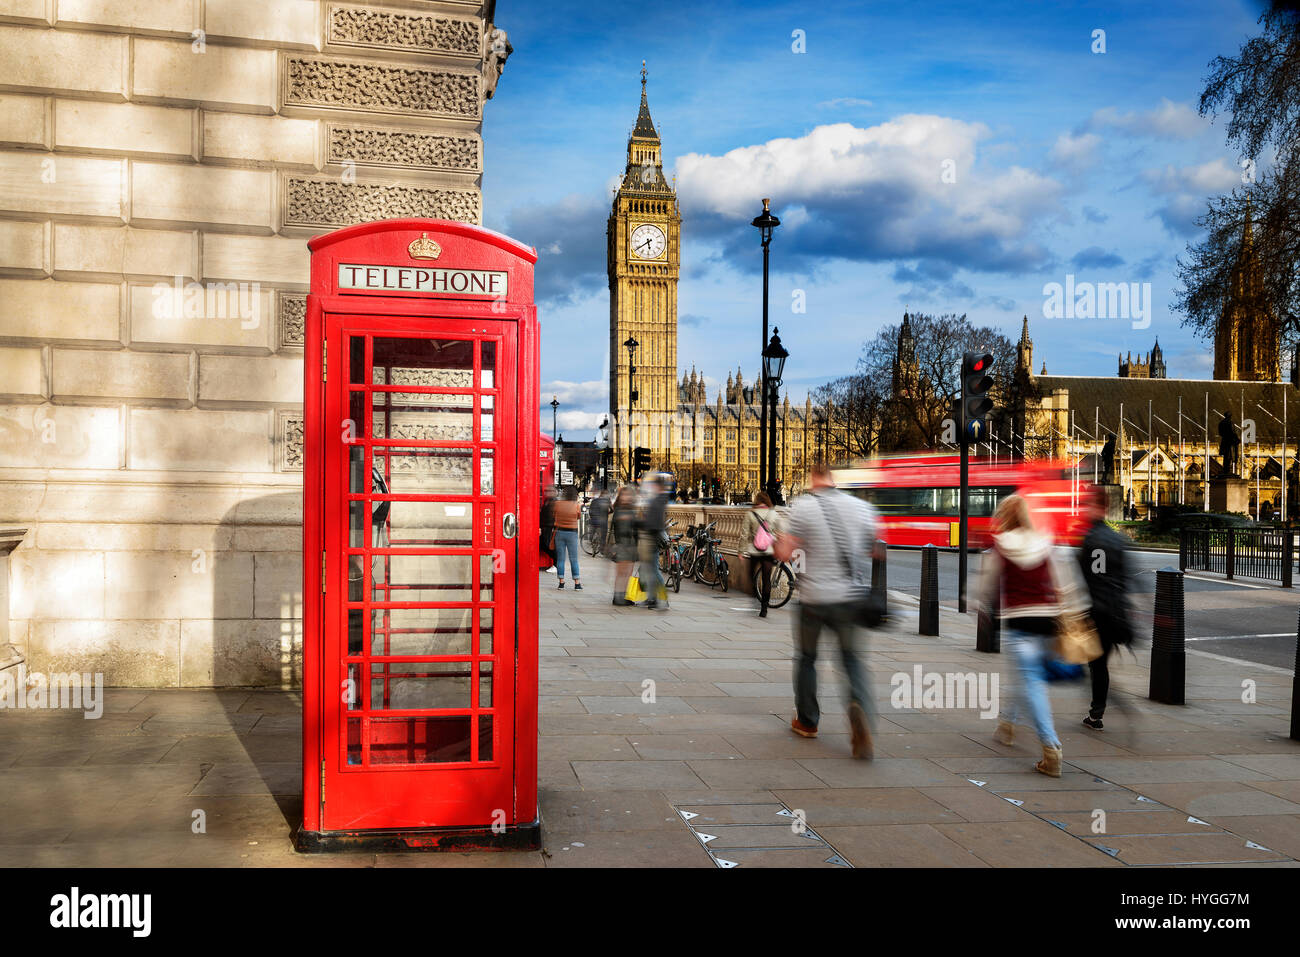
column 162, row 166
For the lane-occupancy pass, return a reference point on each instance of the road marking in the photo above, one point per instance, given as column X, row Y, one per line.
column 1242, row 661
column 1220, row 581
column 1280, row 634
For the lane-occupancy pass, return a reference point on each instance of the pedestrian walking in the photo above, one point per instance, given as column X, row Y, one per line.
column 1104, row 565
column 598, row 516
column 830, row 535
column 1020, row 577
column 567, row 511
column 546, row 526
column 759, row 537
column 653, row 536
column 624, row 521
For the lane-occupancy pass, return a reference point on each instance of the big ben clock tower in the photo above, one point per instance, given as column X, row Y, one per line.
column 643, row 256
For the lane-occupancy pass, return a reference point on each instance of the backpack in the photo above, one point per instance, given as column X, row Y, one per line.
column 762, row 537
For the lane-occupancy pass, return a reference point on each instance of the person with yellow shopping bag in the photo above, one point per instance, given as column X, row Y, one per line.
column 624, row 521
column 654, row 520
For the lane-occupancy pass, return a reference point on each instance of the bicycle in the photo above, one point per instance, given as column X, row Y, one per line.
column 595, row 539
column 673, row 573
column 782, row 584
column 712, row 567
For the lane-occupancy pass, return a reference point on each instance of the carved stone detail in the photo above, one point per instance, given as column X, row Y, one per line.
column 349, row 85
column 371, row 146
column 328, row 202
column 448, row 378
column 292, row 309
column 392, row 30
column 291, row 438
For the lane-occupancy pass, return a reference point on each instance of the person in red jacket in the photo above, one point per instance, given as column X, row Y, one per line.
column 1031, row 590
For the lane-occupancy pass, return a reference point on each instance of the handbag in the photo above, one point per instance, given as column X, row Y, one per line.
column 1076, row 640
column 634, row 590
column 762, row 537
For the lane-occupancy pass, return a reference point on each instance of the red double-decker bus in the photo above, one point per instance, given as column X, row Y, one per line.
column 917, row 496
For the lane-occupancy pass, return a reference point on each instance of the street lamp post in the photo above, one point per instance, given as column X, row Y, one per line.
column 630, row 345
column 765, row 223
column 774, row 356
column 555, row 404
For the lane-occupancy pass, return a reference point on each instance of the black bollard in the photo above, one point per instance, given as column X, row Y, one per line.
column 1168, row 656
column 988, row 634
column 1295, row 689
column 929, row 591
column 880, row 567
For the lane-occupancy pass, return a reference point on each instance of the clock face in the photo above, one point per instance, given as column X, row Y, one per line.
column 648, row 242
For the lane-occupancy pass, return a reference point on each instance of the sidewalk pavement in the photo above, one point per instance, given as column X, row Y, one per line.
column 707, row 774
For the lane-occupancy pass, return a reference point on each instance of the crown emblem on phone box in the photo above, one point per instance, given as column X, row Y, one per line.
column 424, row 248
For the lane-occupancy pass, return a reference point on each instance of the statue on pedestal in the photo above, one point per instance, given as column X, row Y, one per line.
column 1108, row 461
column 1229, row 445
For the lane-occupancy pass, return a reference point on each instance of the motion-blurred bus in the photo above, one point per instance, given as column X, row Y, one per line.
column 917, row 496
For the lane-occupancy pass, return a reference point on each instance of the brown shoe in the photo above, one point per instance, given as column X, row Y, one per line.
column 801, row 729
column 861, row 735
column 1051, row 763
column 1005, row 734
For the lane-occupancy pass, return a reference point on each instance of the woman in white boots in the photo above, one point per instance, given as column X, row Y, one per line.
column 1031, row 591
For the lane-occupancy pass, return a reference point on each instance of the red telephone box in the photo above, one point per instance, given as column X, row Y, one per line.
column 420, row 539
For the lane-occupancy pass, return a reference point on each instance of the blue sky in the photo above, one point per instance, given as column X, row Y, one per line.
column 942, row 157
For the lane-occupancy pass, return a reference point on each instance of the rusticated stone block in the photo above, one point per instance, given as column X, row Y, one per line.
column 21, row 373
column 413, row 149
column 130, row 654
column 22, row 120
column 122, row 251
column 268, row 379
column 328, row 203
column 124, row 128
column 397, row 30
column 200, row 440
column 22, row 245
column 93, row 373
column 380, row 88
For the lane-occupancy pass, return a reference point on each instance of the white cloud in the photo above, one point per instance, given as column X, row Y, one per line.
column 1169, row 121
column 1075, row 152
column 591, row 393
column 875, row 194
column 1186, row 189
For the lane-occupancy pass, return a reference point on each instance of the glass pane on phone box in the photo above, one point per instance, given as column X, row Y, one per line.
column 420, row 631
column 489, row 362
column 486, row 472
column 426, row 471
column 409, row 692
column 423, row 417
column 429, row 524
column 432, row 578
column 424, row 740
column 485, row 631
column 357, row 359
column 423, row 362
column 485, row 684
column 485, row 420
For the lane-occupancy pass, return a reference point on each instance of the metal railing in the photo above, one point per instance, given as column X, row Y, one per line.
column 1262, row 553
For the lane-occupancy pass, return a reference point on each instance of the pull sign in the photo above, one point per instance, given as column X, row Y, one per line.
column 509, row 525
column 487, row 527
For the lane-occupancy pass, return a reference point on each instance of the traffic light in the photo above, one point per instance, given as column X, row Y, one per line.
column 640, row 460
column 975, row 401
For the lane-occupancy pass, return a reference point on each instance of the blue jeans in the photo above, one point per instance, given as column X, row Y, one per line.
column 566, row 542
column 808, row 626
column 1029, row 691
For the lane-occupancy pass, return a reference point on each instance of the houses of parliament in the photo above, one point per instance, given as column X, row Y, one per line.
column 701, row 441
